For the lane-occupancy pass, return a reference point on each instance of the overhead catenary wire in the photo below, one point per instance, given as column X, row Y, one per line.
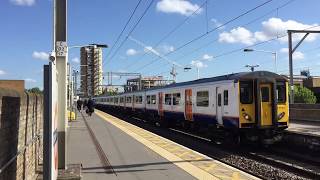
column 132, row 29
column 256, row 44
column 207, row 33
column 173, row 30
column 123, row 29
column 244, row 25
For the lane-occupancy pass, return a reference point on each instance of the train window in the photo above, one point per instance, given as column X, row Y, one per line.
column 153, row 99
column 265, row 94
column 121, row 99
column 139, row 99
column 219, row 100
column 148, row 100
column 167, row 99
column 225, row 97
column 281, row 92
column 246, row 92
column 116, row 100
column 203, row 98
column 128, row 99
column 176, row 97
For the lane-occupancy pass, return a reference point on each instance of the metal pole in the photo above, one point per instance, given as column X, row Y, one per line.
column 290, row 67
column 275, row 61
column 198, row 73
column 61, row 35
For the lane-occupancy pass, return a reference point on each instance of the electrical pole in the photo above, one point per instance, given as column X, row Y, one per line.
column 60, row 39
column 291, row 51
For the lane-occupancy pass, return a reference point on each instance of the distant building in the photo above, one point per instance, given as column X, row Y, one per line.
column 91, row 71
column 17, row 85
column 146, row 83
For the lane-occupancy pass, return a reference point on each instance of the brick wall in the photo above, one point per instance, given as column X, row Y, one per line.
column 21, row 121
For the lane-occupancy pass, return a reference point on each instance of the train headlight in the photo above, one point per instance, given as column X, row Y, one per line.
column 246, row 116
column 281, row 115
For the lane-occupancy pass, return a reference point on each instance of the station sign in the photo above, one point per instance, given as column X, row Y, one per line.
column 61, row 48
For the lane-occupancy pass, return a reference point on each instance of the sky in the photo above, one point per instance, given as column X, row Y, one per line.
column 208, row 35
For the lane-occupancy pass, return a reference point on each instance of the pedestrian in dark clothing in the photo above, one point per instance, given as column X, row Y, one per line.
column 79, row 105
column 90, row 106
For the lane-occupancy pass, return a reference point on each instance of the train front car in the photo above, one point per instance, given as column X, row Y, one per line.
column 263, row 106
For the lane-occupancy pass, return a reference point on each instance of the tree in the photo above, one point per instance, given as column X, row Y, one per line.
column 35, row 90
column 304, row 95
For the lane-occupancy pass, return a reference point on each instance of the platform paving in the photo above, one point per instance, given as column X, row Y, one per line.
column 305, row 127
column 129, row 159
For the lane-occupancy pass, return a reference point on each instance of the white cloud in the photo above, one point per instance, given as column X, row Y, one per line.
column 182, row 7
column 238, row 35
column 30, row 80
column 271, row 28
column 166, row 48
column 2, row 72
column 150, row 49
column 216, row 23
column 276, row 26
column 75, row 60
column 297, row 55
column 198, row 64
column 23, row 2
column 131, row 52
column 207, row 57
column 40, row 55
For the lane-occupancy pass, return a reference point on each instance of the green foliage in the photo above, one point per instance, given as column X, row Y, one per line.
column 35, row 90
column 304, row 95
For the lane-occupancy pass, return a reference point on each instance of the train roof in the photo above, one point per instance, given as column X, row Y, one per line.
column 235, row 76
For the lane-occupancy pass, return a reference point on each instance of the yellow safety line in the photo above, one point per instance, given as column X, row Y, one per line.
column 186, row 165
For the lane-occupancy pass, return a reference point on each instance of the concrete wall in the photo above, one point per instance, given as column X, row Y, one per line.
column 309, row 112
column 21, row 122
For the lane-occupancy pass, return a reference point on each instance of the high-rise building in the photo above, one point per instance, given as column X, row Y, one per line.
column 91, row 71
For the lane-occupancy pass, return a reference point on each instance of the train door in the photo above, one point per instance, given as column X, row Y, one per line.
column 266, row 104
column 188, row 104
column 160, row 103
column 219, row 108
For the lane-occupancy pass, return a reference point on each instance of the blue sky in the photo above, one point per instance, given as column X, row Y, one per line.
column 26, row 36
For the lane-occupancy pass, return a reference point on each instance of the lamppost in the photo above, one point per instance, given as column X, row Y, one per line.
column 274, row 53
column 252, row 66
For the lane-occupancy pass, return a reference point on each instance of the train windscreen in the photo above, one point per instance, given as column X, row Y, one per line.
column 281, row 92
column 246, row 92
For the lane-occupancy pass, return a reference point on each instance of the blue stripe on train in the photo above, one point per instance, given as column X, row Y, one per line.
column 228, row 122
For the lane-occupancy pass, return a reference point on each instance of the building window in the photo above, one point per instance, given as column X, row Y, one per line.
column 153, row 99
column 176, row 97
column 225, row 97
column 167, row 99
column 203, row 98
column 148, row 100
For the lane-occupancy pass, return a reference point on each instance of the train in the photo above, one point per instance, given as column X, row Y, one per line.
column 238, row 107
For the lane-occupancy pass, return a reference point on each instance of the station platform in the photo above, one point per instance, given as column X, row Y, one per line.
column 309, row 128
column 110, row 148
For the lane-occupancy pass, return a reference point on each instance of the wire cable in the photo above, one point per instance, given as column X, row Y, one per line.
column 122, row 43
column 118, row 38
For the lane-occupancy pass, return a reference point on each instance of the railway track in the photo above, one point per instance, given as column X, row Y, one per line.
column 261, row 164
